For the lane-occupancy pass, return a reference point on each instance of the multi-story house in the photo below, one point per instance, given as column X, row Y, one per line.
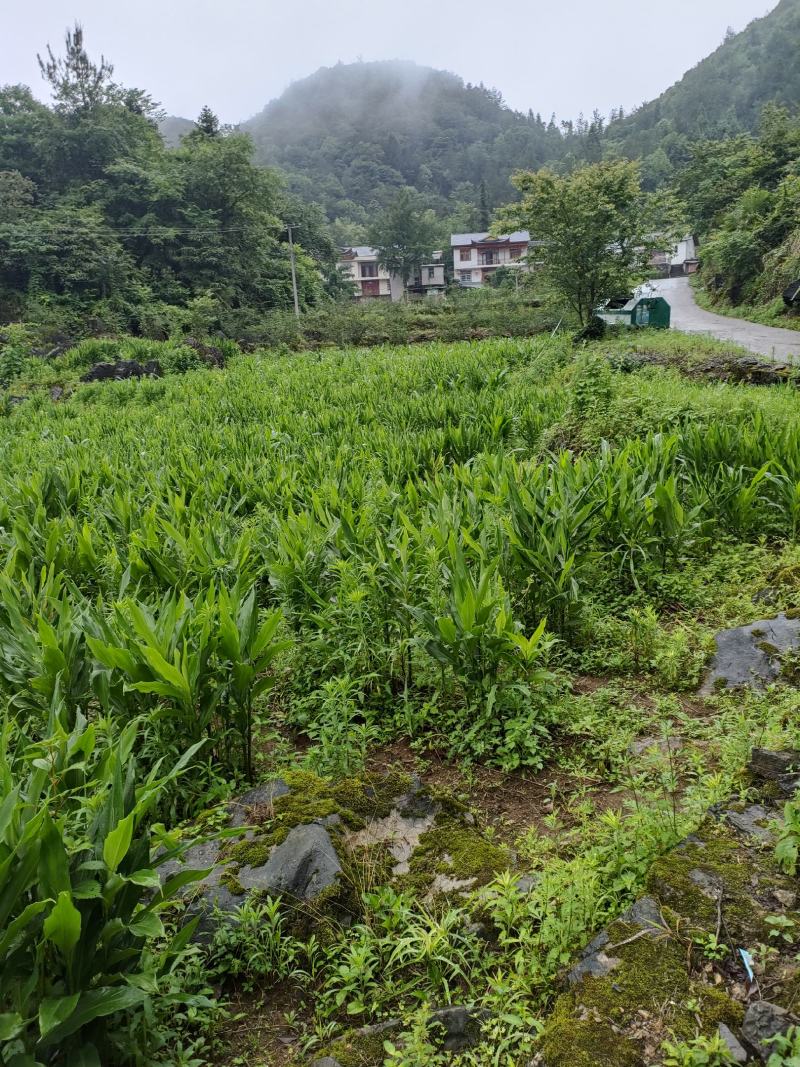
column 372, row 281
column 476, row 256
column 429, row 278
column 676, row 260
column 361, row 266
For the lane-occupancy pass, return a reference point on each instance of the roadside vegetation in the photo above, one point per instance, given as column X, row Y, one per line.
column 743, row 200
column 496, row 564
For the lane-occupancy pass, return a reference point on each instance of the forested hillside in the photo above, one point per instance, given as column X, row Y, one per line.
column 100, row 222
column 351, row 135
column 720, row 97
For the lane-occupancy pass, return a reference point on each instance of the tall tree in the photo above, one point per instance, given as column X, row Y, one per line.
column 484, row 212
column 403, row 234
column 207, row 122
column 595, row 229
column 77, row 83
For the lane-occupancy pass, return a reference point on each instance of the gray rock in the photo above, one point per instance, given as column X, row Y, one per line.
column 788, row 784
column 750, row 655
column 462, row 1026
column 262, row 796
column 664, row 745
column 527, row 882
column 771, row 766
column 750, row 822
column 598, row 965
column 762, row 1021
column 326, row 1061
column 123, row 368
column 710, row 885
column 479, row 930
column 738, row 1053
column 646, row 914
column 302, row 866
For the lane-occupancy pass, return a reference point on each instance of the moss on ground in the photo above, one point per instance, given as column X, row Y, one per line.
column 358, row 1050
column 606, row 1016
column 568, row 1041
column 744, row 873
column 456, row 849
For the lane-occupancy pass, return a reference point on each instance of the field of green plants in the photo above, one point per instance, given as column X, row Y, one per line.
column 507, row 558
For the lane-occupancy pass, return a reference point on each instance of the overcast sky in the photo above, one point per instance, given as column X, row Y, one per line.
column 565, row 56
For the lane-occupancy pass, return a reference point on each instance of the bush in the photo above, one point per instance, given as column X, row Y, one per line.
column 82, row 900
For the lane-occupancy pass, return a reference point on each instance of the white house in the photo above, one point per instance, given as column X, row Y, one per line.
column 476, row 256
column 676, row 260
column 429, row 278
column 360, row 264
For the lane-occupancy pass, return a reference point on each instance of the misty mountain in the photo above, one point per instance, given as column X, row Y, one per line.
column 347, row 137
column 350, row 135
column 172, row 128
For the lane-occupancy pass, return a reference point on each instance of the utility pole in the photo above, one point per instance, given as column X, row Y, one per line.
column 294, row 273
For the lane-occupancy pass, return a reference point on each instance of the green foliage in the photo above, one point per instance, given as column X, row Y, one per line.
column 101, row 225
column 403, row 235
column 723, row 95
column 786, row 1049
column 699, row 1052
column 82, row 899
column 787, row 850
column 594, row 225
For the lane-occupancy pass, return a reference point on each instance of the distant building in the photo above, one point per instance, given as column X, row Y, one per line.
column 677, row 260
column 373, row 282
column 476, row 256
column 361, row 266
column 429, row 278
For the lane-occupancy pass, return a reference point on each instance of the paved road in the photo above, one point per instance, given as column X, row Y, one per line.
column 784, row 345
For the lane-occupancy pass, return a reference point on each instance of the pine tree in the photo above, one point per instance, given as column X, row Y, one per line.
column 207, row 122
column 484, row 211
column 77, row 83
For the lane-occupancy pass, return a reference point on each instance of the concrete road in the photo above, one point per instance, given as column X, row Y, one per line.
column 783, row 345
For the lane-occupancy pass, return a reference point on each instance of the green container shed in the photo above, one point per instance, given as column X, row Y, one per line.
column 652, row 311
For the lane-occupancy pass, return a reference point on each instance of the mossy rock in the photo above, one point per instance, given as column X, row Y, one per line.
column 745, row 874
column 608, row 1016
column 355, row 1049
column 456, row 850
column 568, row 1041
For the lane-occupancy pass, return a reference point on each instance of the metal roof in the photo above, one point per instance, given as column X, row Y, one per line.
column 360, row 251
column 518, row 237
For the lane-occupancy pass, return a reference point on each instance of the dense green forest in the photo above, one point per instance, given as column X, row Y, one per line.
column 743, row 197
column 350, row 136
column 100, row 223
column 722, row 96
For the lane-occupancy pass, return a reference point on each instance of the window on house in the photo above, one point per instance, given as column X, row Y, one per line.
column 466, row 254
column 369, row 270
column 431, row 273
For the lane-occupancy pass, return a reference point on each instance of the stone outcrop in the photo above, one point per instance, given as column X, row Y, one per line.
column 304, row 838
column 646, row 978
column 751, row 655
column 123, row 369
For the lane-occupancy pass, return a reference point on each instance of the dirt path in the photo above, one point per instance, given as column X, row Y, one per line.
column 783, row 345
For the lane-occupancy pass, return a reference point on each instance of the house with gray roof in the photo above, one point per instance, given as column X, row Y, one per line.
column 476, row 256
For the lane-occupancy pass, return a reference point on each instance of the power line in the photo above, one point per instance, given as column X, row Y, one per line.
column 171, row 230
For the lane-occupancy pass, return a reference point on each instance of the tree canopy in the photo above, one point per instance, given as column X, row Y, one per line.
column 593, row 227
column 100, row 221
